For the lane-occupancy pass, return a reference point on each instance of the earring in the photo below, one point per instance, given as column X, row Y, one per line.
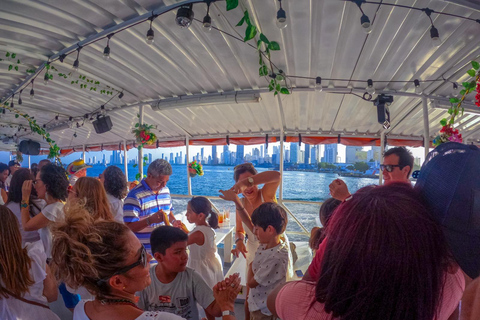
column 123, row 287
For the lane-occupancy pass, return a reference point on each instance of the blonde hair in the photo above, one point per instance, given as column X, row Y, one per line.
column 14, row 260
column 86, row 250
column 92, row 192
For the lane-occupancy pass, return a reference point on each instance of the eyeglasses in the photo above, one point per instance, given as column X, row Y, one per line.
column 390, row 167
column 143, row 260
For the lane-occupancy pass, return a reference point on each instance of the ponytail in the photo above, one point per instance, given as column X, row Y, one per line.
column 213, row 219
column 203, row 205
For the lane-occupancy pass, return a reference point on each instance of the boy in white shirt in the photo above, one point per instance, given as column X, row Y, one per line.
column 269, row 267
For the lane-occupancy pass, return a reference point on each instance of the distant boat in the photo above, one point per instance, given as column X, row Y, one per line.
column 357, row 175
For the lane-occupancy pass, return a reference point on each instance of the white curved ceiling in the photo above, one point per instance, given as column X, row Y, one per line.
column 323, row 38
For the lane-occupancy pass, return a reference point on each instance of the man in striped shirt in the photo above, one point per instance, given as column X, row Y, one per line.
column 143, row 206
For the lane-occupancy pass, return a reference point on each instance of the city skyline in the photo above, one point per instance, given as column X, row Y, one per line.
column 292, row 151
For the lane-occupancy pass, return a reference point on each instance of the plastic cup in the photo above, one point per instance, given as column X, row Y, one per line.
column 220, row 217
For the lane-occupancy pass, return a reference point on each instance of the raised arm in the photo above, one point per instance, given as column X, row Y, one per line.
column 270, row 179
column 231, row 195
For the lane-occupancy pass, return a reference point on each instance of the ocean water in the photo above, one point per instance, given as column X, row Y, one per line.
column 297, row 185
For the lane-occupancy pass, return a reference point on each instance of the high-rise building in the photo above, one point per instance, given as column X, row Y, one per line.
column 150, row 158
column 214, row 155
column 261, row 151
column 331, row 153
column 180, row 159
column 171, row 157
column 202, row 159
column 240, row 154
column 307, row 154
column 293, row 152
column 226, row 155
column 351, row 154
column 314, row 155
column 374, row 154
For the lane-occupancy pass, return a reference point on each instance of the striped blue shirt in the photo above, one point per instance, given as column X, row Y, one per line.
column 140, row 203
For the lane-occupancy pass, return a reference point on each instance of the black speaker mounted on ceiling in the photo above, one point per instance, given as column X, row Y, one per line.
column 29, row 147
column 102, row 124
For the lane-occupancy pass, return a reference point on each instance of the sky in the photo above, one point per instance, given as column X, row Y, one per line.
column 133, row 153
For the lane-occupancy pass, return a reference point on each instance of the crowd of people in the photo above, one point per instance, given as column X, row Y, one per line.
column 394, row 251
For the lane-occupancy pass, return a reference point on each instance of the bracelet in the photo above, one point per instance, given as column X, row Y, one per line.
column 241, row 208
column 239, row 239
column 24, row 204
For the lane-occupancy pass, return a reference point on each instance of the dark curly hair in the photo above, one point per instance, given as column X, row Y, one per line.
column 55, row 179
column 115, row 182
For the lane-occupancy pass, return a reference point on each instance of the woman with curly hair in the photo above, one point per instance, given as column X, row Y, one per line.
column 91, row 194
column 108, row 260
column 51, row 184
column 115, row 184
column 26, row 284
column 14, row 203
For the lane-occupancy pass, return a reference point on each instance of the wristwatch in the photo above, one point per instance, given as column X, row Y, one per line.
column 228, row 313
column 250, row 180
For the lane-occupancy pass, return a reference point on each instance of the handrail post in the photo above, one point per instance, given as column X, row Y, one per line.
column 140, row 150
column 125, row 158
column 280, row 190
column 189, row 180
column 426, row 128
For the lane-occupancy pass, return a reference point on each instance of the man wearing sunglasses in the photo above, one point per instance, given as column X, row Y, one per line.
column 397, row 167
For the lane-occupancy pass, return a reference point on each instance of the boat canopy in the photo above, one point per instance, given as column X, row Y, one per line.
column 204, row 86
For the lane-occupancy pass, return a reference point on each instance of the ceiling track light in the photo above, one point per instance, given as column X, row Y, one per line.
column 150, row 34
column 106, row 51
column 120, row 95
column 418, row 87
column 32, row 92
column 62, row 57
column 318, row 84
column 185, row 16
column 103, row 112
column 76, row 63
column 434, row 35
column 207, row 20
column 281, row 17
column 370, row 89
column 20, row 97
column 12, row 105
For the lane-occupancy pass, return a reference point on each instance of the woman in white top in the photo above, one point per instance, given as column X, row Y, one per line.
column 115, row 184
column 89, row 192
column 51, row 185
column 15, row 199
column 108, row 260
column 26, row 284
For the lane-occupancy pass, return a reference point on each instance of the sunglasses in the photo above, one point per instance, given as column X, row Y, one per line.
column 143, row 260
column 390, row 167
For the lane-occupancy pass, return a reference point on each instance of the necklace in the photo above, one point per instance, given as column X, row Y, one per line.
column 119, row 301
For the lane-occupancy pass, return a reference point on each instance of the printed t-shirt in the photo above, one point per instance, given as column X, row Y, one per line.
column 179, row 297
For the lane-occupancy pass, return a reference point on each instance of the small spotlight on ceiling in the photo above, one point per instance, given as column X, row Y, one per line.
column 185, row 16
column 370, row 89
column 150, row 34
column 318, row 84
column 281, row 17
column 366, row 25
column 418, row 87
